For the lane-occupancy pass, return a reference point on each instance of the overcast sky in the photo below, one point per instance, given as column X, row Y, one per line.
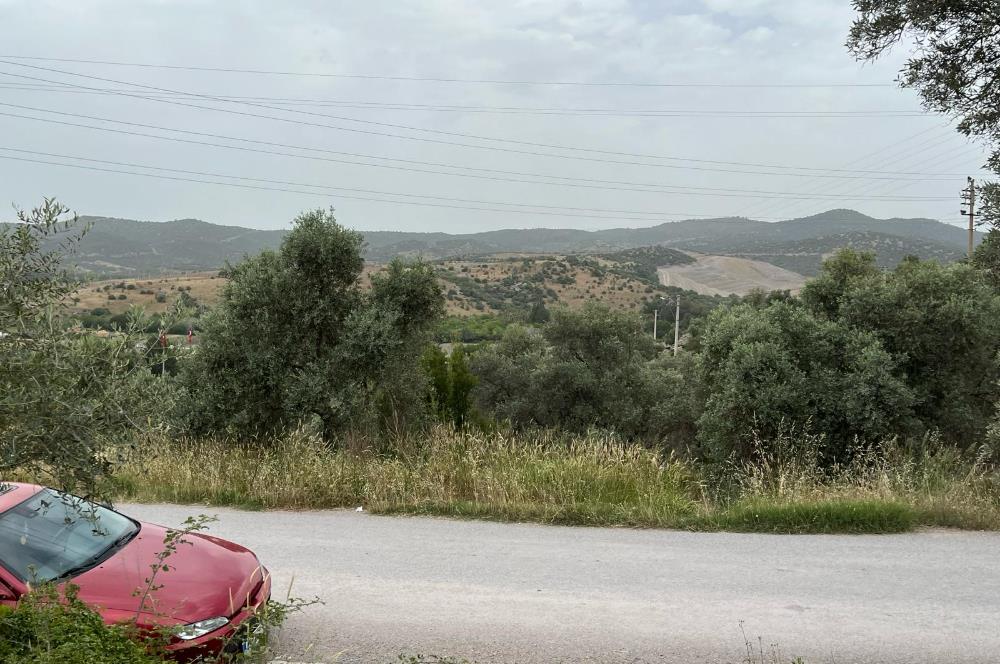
column 717, row 42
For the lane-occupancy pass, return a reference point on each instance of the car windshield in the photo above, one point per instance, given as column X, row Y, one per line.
column 54, row 535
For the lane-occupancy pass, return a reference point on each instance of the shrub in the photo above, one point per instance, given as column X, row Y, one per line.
column 60, row 392
column 90, row 322
column 589, row 368
column 763, row 370
column 182, row 327
column 49, row 627
column 940, row 323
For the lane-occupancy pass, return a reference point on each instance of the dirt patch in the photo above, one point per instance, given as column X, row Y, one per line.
column 729, row 275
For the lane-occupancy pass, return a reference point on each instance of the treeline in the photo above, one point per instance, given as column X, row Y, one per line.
column 862, row 356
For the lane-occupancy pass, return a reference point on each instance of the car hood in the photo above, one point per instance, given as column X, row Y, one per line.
column 206, row 577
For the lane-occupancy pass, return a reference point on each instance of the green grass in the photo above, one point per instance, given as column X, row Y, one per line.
column 594, row 480
column 825, row 516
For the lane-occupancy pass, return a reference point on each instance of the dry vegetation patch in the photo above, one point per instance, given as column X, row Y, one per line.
column 550, row 477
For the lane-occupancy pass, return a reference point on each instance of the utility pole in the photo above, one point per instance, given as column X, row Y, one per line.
column 677, row 323
column 655, row 316
column 163, row 353
column 969, row 199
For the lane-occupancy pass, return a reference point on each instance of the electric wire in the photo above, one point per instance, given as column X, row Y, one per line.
column 443, row 79
column 411, row 128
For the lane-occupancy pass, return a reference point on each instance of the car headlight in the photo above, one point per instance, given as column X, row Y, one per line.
column 201, row 628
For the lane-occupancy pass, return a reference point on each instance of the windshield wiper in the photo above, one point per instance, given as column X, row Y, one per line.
column 90, row 563
column 98, row 558
column 125, row 539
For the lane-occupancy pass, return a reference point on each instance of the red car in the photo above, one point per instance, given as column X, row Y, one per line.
column 209, row 597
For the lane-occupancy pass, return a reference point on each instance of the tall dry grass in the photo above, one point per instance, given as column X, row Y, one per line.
column 542, row 476
column 593, row 479
column 894, row 487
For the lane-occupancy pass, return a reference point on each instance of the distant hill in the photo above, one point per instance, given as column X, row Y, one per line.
column 486, row 284
column 122, row 247
column 804, row 256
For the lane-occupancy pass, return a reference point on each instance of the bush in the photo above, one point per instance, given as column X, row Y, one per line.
column 90, row 322
column 182, row 327
column 939, row 323
column 61, row 393
column 471, row 329
column 765, row 370
column 589, row 368
column 47, row 627
column 451, row 384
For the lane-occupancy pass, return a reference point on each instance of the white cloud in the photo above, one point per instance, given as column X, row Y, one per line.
column 700, row 41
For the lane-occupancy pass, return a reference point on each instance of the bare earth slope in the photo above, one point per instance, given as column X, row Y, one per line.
column 495, row 592
column 726, row 275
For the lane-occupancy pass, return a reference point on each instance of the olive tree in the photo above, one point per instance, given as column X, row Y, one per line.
column 955, row 65
column 593, row 367
column 941, row 324
column 296, row 338
column 65, row 395
column 768, row 370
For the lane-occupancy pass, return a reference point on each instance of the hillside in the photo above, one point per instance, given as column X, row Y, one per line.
column 729, row 275
column 804, row 256
column 489, row 284
column 122, row 248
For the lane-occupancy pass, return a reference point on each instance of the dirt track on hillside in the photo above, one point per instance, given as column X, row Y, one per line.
column 729, row 275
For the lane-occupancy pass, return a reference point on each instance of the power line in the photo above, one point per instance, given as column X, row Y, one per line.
column 818, row 184
column 432, row 79
column 632, row 213
column 410, row 128
column 640, row 187
column 821, row 175
column 688, row 216
column 948, row 155
column 314, row 193
column 321, row 186
column 889, row 155
column 511, row 110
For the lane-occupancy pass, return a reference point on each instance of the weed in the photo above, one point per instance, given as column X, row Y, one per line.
column 590, row 479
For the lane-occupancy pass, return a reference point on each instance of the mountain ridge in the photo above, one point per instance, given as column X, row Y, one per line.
column 126, row 247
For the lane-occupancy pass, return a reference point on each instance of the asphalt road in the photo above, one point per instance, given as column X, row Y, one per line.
column 494, row 592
